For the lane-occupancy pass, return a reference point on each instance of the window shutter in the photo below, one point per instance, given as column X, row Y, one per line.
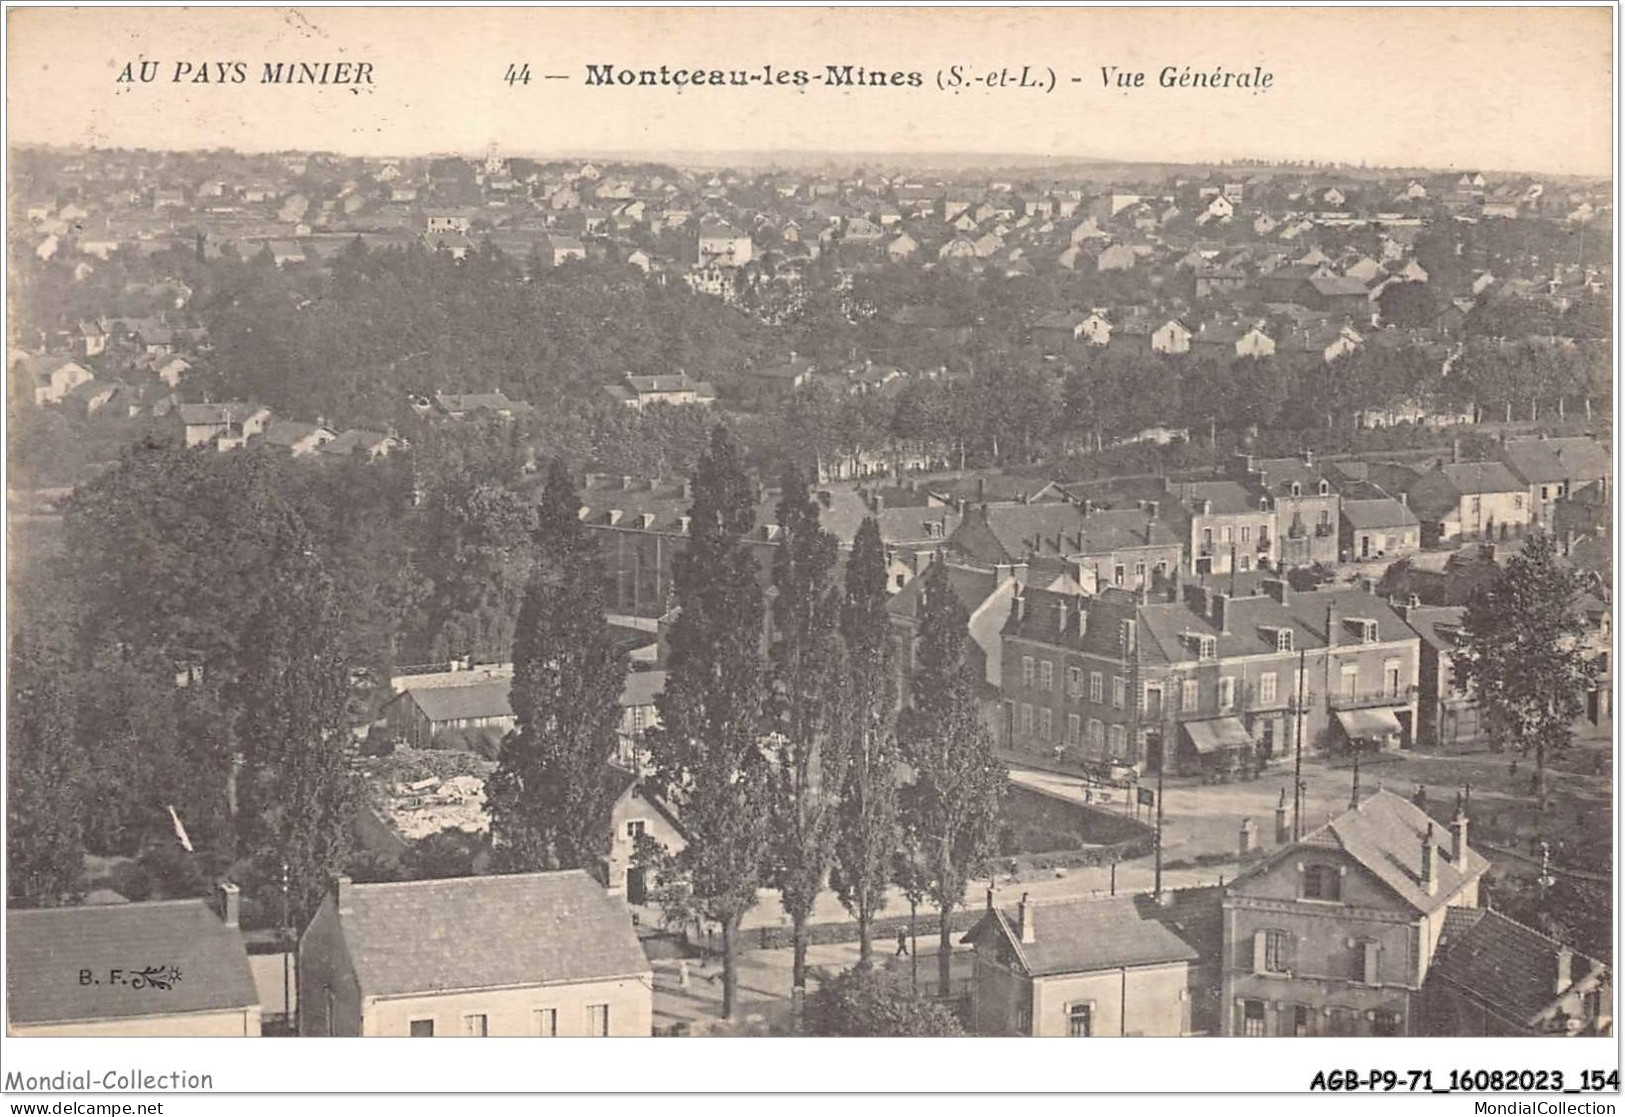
column 1289, row 954
column 1258, row 951
column 1372, row 956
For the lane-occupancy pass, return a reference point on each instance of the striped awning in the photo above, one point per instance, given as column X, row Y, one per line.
column 1375, row 724
column 1217, row 735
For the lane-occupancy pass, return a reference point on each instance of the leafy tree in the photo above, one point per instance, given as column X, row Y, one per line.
column 1524, row 657
column 1408, row 305
column 865, row 1001
column 951, row 807
column 866, row 821
column 44, row 764
column 296, row 793
column 708, row 749
column 551, row 795
column 448, row 853
column 805, row 676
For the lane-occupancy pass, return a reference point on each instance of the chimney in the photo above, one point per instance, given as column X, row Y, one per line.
column 1283, row 832
column 1018, row 605
column 990, row 897
column 1276, row 588
column 1150, row 510
column 1565, row 970
column 879, row 503
column 1024, row 920
column 1221, row 602
column 1430, row 876
column 1331, row 625
column 1404, row 499
column 682, row 524
column 231, row 904
column 342, row 895
column 1458, row 836
column 1248, row 837
column 981, row 489
column 1060, row 613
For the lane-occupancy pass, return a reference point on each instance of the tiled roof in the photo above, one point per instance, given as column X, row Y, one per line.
column 1509, row 967
column 1083, row 936
column 1481, row 477
column 47, row 949
column 1384, row 834
column 1378, row 512
column 1556, row 459
column 487, row 932
column 971, row 586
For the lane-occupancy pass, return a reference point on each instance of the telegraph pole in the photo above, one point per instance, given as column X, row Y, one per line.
column 1297, row 758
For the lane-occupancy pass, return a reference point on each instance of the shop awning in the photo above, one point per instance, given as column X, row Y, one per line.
column 1218, row 734
column 1375, row 724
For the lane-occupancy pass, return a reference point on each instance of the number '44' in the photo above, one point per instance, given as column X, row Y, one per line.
column 517, row 74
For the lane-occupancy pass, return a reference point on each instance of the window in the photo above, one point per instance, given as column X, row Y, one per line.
column 1229, row 534
column 598, row 1020
column 1117, row 574
column 1253, row 1022
column 1297, row 489
column 1227, row 694
column 1119, row 692
column 1325, row 490
column 1074, row 729
column 1245, row 562
column 474, row 1024
column 1190, row 695
column 1079, row 1020
column 1119, row 742
column 1384, row 1023
column 1266, row 689
column 1097, row 735
column 1349, row 680
column 1390, row 677
column 1478, row 502
column 1367, row 962
column 902, row 580
column 1139, row 574
column 1027, row 718
column 1153, row 702
column 1342, row 1022
column 1074, row 681
column 1207, row 647
column 1246, row 534
column 634, row 829
column 1097, row 687
column 1027, row 671
column 1277, row 951
column 1283, row 640
column 1322, row 882
column 421, row 1028
column 1302, row 1020
column 1046, row 675
column 1517, row 501
column 1046, row 724
column 547, row 1021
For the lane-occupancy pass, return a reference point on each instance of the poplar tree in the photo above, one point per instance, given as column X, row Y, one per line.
column 866, row 821
column 44, row 836
column 708, row 750
column 297, row 797
column 805, row 677
column 1523, row 655
column 951, row 806
column 551, row 796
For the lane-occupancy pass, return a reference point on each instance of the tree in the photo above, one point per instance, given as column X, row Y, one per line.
column 708, row 749
column 951, row 807
column 296, row 793
column 1523, row 656
column 866, row 820
column 44, row 847
column 446, row 853
column 551, row 796
column 864, row 1001
column 805, row 676
column 1408, row 305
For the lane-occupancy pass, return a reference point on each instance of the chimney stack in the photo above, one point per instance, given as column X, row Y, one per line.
column 1221, row 606
column 1565, row 970
column 1276, row 588
column 342, row 895
column 1458, row 836
column 1430, row 876
column 1024, row 917
column 231, row 904
column 1331, row 625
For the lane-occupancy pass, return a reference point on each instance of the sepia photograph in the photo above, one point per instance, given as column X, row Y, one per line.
column 801, row 522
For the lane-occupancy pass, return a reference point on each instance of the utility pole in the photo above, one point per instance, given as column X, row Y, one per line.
column 1297, row 759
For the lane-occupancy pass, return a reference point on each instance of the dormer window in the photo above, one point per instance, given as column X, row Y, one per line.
column 1364, row 628
column 1207, row 647
column 1325, row 488
column 1283, row 640
column 1297, row 489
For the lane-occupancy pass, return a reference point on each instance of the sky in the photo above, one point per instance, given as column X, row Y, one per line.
column 1517, row 89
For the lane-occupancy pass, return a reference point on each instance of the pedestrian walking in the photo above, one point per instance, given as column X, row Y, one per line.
column 902, row 944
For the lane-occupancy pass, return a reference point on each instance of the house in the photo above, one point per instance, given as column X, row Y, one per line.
column 1469, row 500
column 1208, row 684
column 1306, row 505
column 1124, row 966
column 637, row 813
column 902, row 248
column 1337, row 933
column 370, row 444
column 985, row 595
column 721, row 244
column 456, row 405
column 638, row 392
column 1492, row 976
column 1229, row 340
column 1126, row 547
column 165, row 968
column 227, row 425
column 1552, row 468
column 1446, row 715
column 639, row 713
column 781, row 377
column 52, row 376
column 526, row 954
column 556, row 251
column 1229, row 526
column 431, row 705
column 1116, row 257
column 1374, row 525
column 444, row 222
column 298, row 439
